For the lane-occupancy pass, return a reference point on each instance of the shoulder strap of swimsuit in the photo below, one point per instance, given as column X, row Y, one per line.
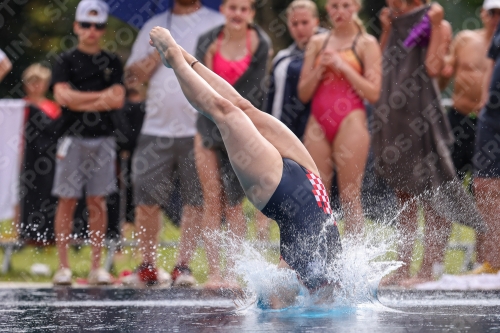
column 249, row 40
column 326, row 41
column 355, row 41
column 353, row 47
column 219, row 41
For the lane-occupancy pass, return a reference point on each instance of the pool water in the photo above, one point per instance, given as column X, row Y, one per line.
column 193, row 310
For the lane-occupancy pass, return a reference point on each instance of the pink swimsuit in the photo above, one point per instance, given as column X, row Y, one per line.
column 231, row 70
column 335, row 98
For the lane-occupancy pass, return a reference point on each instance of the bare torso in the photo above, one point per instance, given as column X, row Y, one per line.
column 470, row 68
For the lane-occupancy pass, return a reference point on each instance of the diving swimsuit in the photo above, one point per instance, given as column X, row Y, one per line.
column 309, row 238
column 231, row 70
column 335, row 98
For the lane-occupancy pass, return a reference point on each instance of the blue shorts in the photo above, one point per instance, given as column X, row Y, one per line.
column 487, row 149
column 309, row 237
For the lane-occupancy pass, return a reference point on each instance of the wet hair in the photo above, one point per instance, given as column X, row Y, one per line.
column 36, row 71
column 299, row 4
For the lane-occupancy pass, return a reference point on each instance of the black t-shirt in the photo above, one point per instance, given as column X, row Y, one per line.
column 88, row 72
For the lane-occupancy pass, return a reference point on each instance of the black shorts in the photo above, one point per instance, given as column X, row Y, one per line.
column 487, row 150
column 464, row 131
column 212, row 139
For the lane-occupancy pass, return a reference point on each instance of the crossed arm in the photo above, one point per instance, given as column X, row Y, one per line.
column 5, row 67
column 111, row 98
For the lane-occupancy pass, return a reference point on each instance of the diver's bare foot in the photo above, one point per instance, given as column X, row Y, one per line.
column 165, row 44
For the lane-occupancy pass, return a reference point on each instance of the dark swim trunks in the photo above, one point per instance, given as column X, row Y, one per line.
column 309, row 238
column 464, row 131
column 487, row 153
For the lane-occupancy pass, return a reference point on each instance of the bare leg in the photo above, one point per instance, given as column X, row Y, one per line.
column 206, row 164
column 98, row 222
column 148, row 228
column 437, row 233
column 407, row 228
column 63, row 225
column 190, row 233
column 237, row 227
column 273, row 130
column 320, row 150
column 350, row 155
column 256, row 162
column 488, row 198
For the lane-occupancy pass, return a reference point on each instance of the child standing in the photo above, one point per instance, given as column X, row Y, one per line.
column 87, row 82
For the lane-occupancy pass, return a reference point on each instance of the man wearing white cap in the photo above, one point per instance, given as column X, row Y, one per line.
column 166, row 142
column 87, row 82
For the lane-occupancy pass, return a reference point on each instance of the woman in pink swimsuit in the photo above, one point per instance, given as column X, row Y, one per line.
column 341, row 69
column 238, row 52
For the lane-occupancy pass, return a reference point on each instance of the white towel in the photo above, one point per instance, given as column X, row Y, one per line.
column 11, row 127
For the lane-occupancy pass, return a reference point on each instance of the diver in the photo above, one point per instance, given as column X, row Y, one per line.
column 274, row 168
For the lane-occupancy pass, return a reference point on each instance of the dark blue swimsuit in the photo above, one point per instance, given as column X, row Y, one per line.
column 309, row 238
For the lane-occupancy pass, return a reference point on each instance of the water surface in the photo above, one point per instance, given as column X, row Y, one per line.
column 180, row 310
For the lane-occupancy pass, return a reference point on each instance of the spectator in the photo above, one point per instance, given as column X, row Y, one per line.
column 341, row 68
column 466, row 63
column 487, row 155
column 5, row 65
column 282, row 99
column 166, row 141
column 87, row 82
column 133, row 113
column 238, row 51
column 411, row 135
column 36, row 81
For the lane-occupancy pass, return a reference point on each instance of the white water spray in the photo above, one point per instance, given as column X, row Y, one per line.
column 356, row 273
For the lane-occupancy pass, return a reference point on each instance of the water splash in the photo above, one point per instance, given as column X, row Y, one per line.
column 356, row 274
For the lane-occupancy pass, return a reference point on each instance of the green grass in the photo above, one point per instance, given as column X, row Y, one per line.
column 128, row 259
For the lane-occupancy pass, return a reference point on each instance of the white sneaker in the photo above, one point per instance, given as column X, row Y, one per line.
column 132, row 280
column 99, row 277
column 62, row 277
column 164, row 278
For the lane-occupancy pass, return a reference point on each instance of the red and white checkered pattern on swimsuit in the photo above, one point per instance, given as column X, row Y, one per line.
column 319, row 192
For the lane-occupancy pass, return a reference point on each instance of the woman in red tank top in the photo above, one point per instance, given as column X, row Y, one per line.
column 341, row 69
column 230, row 56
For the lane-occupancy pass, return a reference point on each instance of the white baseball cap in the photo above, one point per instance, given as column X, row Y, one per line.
column 85, row 7
column 491, row 4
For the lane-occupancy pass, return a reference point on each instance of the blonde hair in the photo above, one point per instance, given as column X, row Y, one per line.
column 36, row 71
column 302, row 4
column 356, row 18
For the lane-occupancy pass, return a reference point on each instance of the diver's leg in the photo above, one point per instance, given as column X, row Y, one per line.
column 287, row 143
column 256, row 162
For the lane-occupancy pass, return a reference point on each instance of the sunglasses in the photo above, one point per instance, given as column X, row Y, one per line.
column 87, row 25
